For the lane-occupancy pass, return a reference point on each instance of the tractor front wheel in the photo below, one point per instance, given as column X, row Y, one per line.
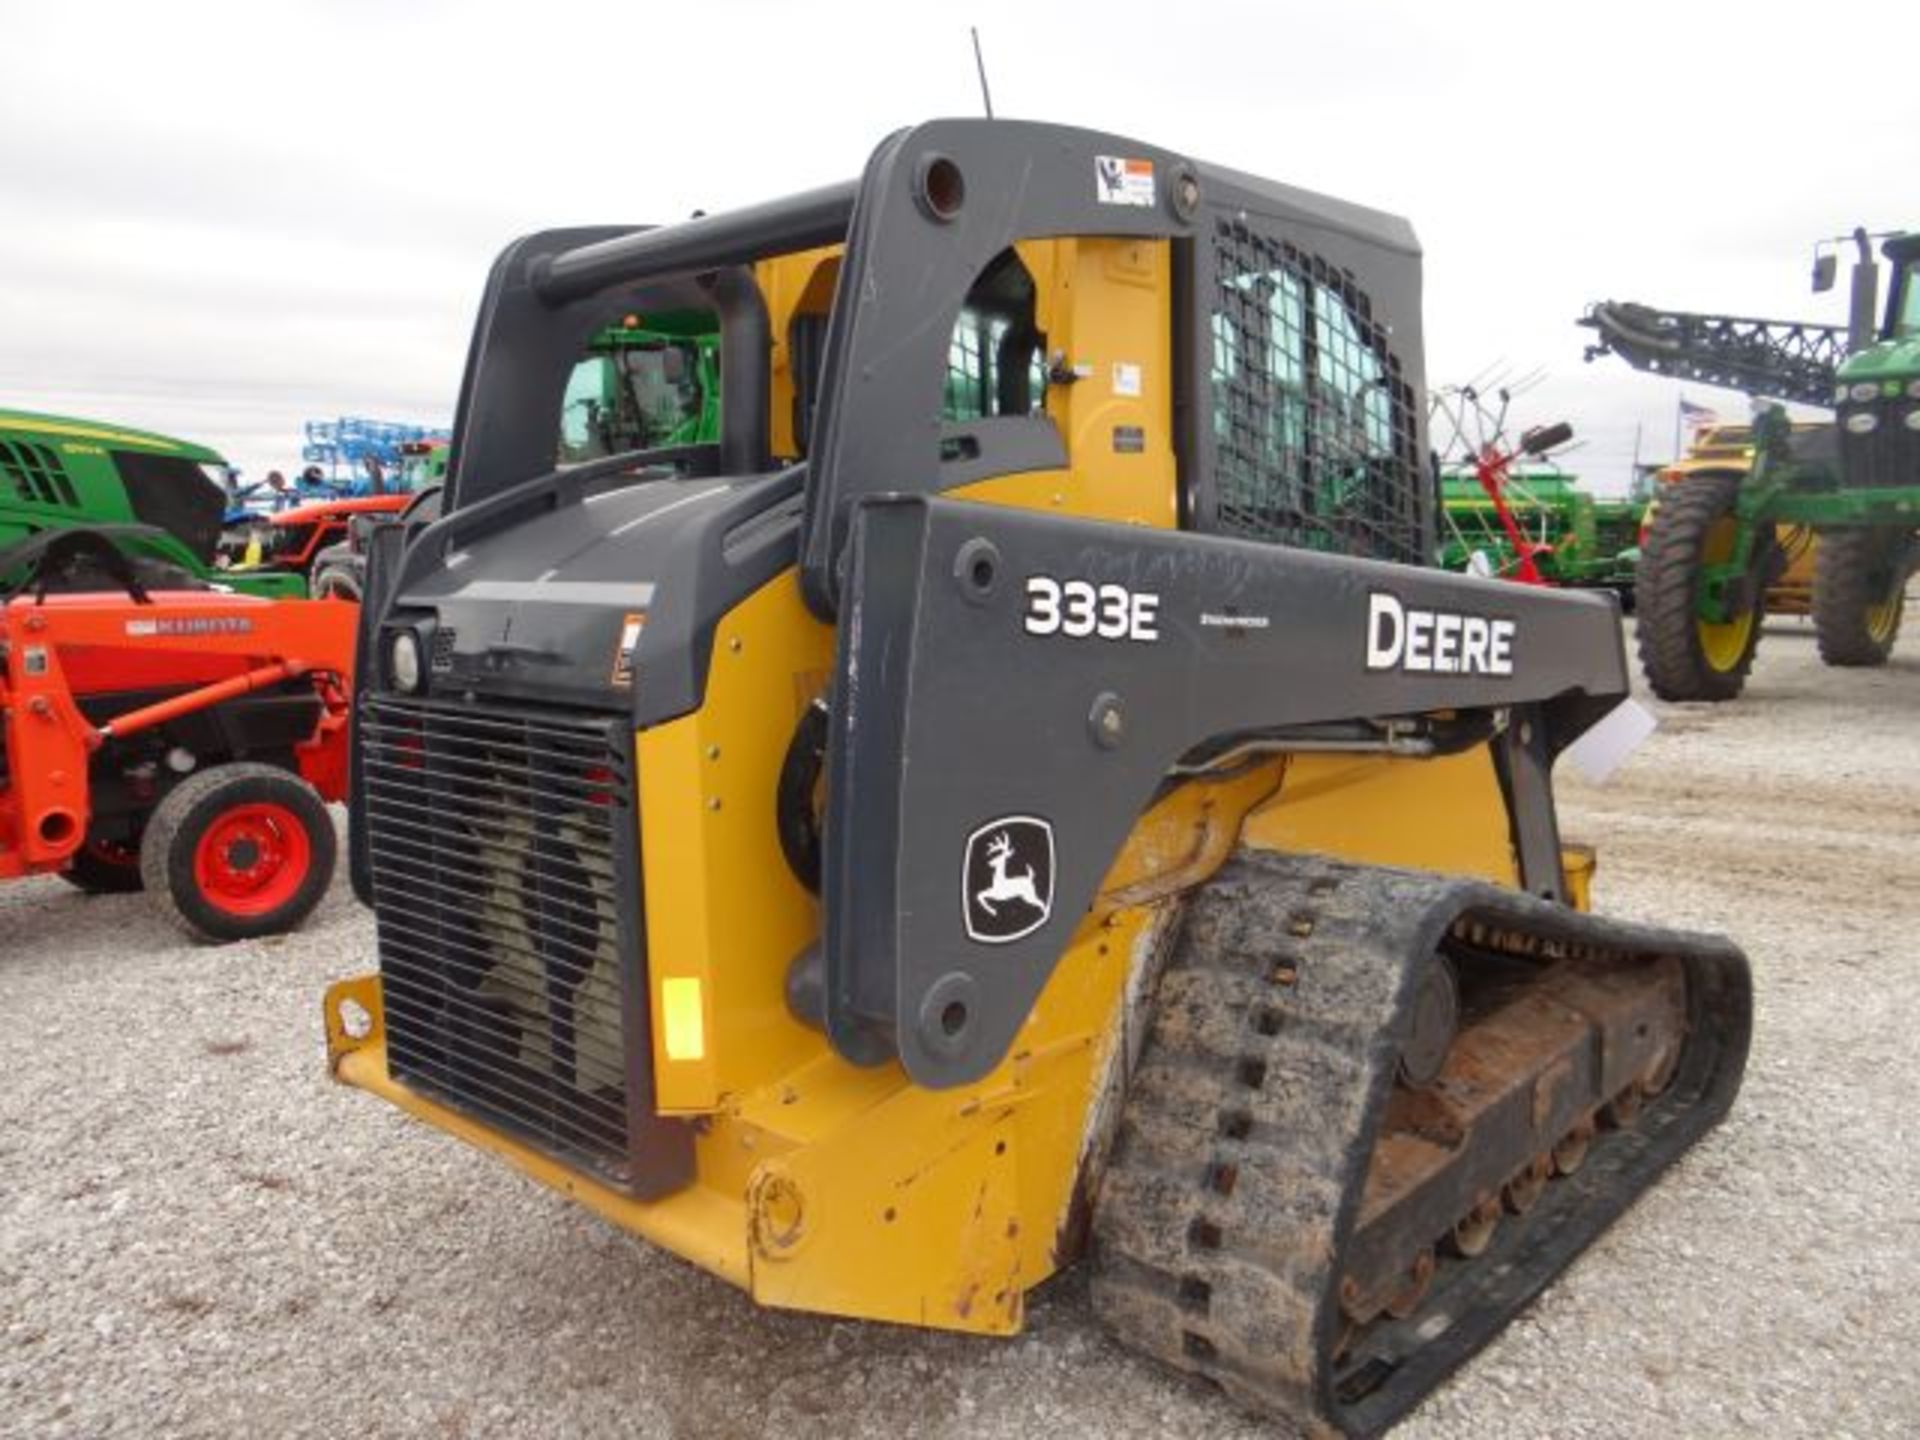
column 239, row 851
column 1685, row 655
column 1859, row 590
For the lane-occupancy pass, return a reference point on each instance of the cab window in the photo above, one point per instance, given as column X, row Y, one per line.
column 996, row 359
column 1906, row 315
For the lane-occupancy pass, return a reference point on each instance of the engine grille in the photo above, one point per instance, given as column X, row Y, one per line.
column 1886, row 456
column 505, row 886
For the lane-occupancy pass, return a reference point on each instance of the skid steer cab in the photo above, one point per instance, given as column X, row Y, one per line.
column 160, row 734
column 1017, row 792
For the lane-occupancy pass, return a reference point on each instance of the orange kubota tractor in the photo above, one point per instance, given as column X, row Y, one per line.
column 160, row 734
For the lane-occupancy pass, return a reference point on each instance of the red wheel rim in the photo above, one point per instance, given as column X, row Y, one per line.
column 252, row 858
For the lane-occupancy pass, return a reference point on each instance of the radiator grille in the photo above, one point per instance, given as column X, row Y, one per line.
column 1886, row 456
column 504, row 887
column 1314, row 433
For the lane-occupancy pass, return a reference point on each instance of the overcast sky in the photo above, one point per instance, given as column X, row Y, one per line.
column 220, row 221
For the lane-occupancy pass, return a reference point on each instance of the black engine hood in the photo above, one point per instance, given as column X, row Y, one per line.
column 540, row 605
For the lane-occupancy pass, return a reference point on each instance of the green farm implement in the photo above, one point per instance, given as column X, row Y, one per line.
column 1507, row 510
column 1574, row 537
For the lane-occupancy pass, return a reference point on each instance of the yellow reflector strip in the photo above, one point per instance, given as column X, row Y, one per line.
column 686, row 1022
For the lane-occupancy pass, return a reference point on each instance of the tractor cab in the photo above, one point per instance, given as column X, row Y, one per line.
column 645, row 383
column 1903, row 301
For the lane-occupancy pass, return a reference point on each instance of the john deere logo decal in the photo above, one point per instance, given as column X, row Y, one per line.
column 1006, row 881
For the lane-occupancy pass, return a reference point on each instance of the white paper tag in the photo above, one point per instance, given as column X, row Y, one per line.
column 1615, row 736
column 1126, row 378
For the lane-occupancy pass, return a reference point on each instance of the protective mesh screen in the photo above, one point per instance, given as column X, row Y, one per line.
column 498, row 876
column 1315, row 440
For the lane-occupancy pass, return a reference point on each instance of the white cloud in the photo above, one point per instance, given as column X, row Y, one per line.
column 225, row 219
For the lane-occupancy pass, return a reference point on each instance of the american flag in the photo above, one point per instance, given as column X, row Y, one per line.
column 1692, row 415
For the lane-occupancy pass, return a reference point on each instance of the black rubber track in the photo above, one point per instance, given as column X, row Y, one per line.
column 1854, row 570
column 1269, row 1059
column 1666, row 586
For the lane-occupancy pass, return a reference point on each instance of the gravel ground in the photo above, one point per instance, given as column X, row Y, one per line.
column 200, row 1233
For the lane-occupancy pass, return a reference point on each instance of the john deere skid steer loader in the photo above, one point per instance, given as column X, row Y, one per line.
column 1016, row 793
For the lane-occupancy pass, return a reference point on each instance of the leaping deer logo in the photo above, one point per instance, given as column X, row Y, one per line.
column 1006, row 879
column 1005, row 886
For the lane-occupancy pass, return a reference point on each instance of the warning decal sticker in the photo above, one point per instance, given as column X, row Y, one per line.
column 1120, row 181
column 630, row 629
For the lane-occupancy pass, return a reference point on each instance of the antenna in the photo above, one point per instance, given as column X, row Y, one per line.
column 986, row 95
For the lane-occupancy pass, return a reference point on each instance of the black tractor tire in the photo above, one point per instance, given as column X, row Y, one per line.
column 239, row 851
column 1680, row 662
column 1859, row 584
column 100, row 868
column 335, row 582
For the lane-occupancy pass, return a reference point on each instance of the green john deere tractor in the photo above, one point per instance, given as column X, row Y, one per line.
column 1712, row 547
column 159, row 501
column 648, row 383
